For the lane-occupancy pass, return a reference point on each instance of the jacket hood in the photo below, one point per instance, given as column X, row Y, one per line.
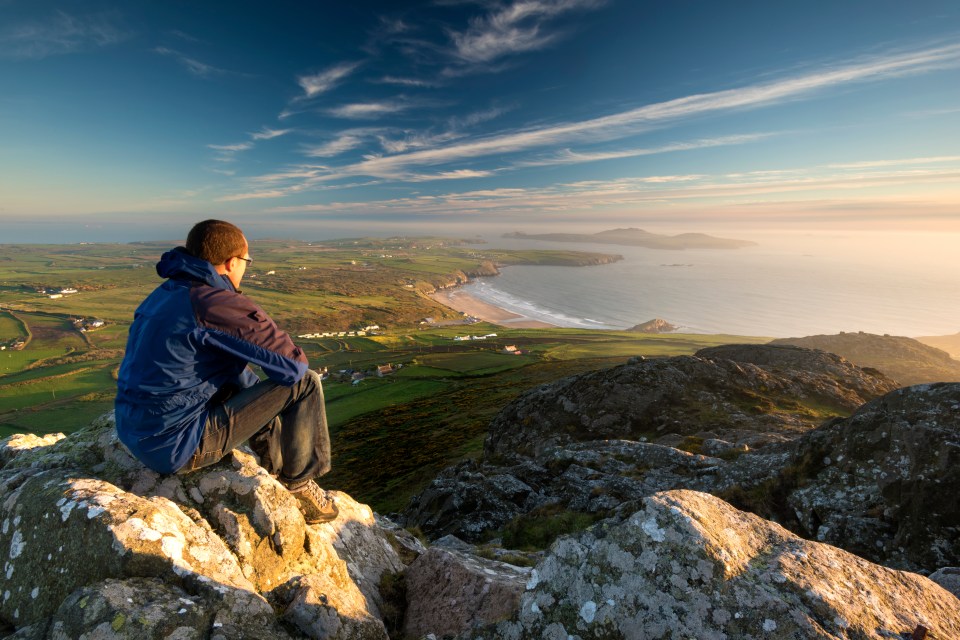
column 177, row 264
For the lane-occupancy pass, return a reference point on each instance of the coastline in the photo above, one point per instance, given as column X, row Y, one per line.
column 459, row 300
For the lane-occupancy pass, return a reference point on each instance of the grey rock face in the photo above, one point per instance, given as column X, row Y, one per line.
column 450, row 591
column 136, row 608
column 605, row 478
column 688, row 565
column 83, row 523
column 883, row 483
column 948, row 578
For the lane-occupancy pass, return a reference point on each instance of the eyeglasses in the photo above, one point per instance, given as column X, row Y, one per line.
column 249, row 261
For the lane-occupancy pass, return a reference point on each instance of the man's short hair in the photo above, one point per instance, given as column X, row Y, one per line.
column 216, row 241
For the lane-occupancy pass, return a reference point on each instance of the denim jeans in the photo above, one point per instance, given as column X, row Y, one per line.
column 286, row 426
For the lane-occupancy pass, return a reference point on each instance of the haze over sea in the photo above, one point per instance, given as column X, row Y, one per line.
column 787, row 285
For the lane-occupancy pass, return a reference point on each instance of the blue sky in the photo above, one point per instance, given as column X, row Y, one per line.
column 134, row 119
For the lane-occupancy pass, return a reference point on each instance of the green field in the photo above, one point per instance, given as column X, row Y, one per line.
column 11, row 328
column 390, row 434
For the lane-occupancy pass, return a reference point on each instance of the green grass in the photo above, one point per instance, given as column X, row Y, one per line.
column 10, row 327
column 538, row 529
column 53, row 371
column 477, row 363
column 36, row 393
column 63, row 418
column 16, row 361
column 373, row 395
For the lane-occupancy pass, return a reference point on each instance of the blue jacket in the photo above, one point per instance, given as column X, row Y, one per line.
column 192, row 336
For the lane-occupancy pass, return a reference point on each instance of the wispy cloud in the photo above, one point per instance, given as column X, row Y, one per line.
column 456, row 174
column 260, row 195
column 268, row 134
column 182, row 35
column 418, row 140
column 896, row 163
column 644, row 118
column 314, row 85
column 567, row 156
column 334, row 147
column 231, row 148
column 61, row 34
column 368, row 110
column 228, row 152
column 407, row 82
column 194, row 66
column 285, row 190
column 665, row 193
column 477, row 117
column 512, row 29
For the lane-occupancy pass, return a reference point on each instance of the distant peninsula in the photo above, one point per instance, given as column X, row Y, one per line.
column 639, row 238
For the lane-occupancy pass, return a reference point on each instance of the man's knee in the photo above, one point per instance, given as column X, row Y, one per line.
column 310, row 383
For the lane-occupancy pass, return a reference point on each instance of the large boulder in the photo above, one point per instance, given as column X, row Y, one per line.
column 82, row 523
column 450, row 591
column 688, row 565
column 883, row 483
column 750, row 395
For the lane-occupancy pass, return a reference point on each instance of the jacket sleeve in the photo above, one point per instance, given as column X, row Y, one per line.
column 234, row 324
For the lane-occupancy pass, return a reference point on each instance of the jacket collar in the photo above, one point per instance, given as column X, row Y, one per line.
column 177, row 264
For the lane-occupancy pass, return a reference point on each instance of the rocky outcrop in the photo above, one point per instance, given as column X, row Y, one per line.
column 91, row 540
column 744, row 394
column 657, row 325
column 601, row 478
column 882, row 482
column 906, row 360
column 873, row 483
column 689, row 565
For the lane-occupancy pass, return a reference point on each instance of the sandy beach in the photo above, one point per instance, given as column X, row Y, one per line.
column 461, row 301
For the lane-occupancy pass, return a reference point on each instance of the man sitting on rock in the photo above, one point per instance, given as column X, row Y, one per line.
column 185, row 395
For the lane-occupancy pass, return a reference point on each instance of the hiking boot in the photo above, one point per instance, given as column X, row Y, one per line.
column 315, row 505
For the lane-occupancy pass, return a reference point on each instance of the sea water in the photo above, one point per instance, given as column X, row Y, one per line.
column 786, row 285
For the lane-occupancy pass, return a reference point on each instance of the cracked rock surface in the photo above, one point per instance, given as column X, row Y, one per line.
column 688, row 565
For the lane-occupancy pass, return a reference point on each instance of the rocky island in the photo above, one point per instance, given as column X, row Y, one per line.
column 657, row 325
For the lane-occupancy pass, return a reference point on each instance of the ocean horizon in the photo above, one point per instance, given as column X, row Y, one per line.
column 785, row 286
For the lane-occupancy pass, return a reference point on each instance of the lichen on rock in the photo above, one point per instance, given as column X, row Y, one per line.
column 82, row 523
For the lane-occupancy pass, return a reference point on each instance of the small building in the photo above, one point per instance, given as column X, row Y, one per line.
column 384, row 370
column 512, row 350
column 54, row 296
